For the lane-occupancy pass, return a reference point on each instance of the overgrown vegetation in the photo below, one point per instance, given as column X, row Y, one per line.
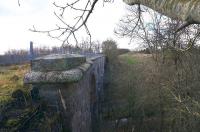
column 165, row 82
column 19, row 111
column 122, row 92
column 11, row 79
column 153, row 96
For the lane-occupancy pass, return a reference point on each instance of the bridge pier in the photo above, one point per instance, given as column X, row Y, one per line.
column 69, row 84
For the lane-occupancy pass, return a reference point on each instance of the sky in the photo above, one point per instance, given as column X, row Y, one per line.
column 15, row 22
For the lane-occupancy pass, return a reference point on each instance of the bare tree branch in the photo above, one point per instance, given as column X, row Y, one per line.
column 18, row 2
column 69, row 31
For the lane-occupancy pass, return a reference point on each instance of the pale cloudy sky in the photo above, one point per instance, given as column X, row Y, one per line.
column 16, row 21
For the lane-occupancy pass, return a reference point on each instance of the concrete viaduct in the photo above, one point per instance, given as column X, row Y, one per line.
column 71, row 84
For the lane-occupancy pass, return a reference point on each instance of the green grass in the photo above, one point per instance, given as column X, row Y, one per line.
column 128, row 59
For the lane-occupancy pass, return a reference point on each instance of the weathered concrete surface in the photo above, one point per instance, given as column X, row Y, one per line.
column 73, row 75
column 74, row 92
column 57, row 69
column 185, row 10
column 57, row 62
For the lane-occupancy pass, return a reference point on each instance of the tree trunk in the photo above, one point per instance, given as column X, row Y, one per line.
column 185, row 10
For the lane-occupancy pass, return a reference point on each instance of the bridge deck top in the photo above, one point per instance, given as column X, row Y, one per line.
column 55, row 71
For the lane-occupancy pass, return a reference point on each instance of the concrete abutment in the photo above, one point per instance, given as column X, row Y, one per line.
column 70, row 84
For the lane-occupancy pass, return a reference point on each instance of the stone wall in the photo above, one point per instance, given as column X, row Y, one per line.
column 70, row 84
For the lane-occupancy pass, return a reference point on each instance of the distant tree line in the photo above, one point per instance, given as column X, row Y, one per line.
column 23, row 56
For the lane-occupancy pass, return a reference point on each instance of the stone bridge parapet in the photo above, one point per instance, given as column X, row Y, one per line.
column 72, row 85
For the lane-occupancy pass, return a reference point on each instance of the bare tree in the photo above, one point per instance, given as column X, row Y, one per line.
column 67, row 31
column 158, row 31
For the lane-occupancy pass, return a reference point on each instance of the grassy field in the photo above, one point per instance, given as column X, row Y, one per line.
column 11, row 78
column 128, row 59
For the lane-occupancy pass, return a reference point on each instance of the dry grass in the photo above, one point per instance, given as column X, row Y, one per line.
column 133, row 91
column 122, row 76
column 11, row 78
